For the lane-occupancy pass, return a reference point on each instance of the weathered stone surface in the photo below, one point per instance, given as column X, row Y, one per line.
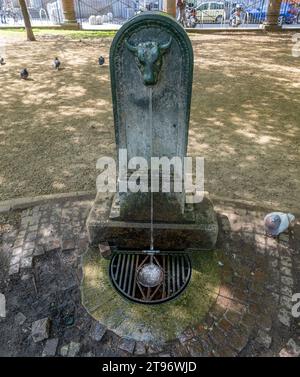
column 284, row 317
column 39, row 250
column 27, row 253
column 53, row 245
column 104, row 249
column 140, row 349
column 286, row 271
column 73, row 349
column 127, row 345
column 284, row 237
column 194, row 348
column 143, row 56
column 68, row 245
column 97, row 331
column 286, row 261
column 50, row 347
column 64, row 350
column 287, row 281
column 26, row 262
column 88, row 354
column 15, row 259
column 28, row 246
column 17, row 251
column 40, row 329
column 292, row 349
column 154, row 348
column 197, row 234
column 185, row 336
column 287, row 291
column 286, row 301
column 170, row 121
column 238, row 340
column 20, row 318
column 2, row 306
column 264, row 339
column 14, row 269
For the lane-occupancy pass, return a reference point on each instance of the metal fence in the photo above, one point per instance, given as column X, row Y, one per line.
column 97, row 14
column 88, row 12
column 219, row 13
column 41, row 12
column 100, row 12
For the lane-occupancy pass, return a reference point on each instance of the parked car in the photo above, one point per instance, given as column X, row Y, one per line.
column 211, row 12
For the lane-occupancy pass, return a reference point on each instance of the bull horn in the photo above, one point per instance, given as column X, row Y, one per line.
column 165, row 46
column 130, row 47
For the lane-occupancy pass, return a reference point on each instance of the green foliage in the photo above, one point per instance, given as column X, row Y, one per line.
column 73, row 34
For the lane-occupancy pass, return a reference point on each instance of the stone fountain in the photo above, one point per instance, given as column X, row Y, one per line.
column 151, row 66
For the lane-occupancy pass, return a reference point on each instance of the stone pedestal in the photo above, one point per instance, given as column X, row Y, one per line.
column 197, row 230
column 151, row 66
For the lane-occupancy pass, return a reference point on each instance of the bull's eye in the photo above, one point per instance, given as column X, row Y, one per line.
column 158, row 63
column 139, row 62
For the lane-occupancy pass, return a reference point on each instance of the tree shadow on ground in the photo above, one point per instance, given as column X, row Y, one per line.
column 244, row 117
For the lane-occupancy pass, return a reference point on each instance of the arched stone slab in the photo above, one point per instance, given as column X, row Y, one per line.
column 171, row 93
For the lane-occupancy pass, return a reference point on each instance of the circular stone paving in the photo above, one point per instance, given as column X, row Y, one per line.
column 150, row 323
column 41, row 272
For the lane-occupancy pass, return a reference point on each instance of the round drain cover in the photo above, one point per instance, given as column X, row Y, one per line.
column 146, row 282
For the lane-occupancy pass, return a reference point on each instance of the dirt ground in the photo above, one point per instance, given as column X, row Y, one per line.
column 244, row 117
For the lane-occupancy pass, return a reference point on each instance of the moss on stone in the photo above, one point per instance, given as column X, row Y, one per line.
column 151, row 323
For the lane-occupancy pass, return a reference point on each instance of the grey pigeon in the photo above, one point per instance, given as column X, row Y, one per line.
column 2, row 62
column 56, row 63
column 101, row 60
column 24, row 74
column 278, row 222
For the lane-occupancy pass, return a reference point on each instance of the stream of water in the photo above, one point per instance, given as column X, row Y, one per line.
column 151, row 153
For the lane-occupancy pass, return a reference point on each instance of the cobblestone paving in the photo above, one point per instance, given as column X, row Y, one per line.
column 40, row 276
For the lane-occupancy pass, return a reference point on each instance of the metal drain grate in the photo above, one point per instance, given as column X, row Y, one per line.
column 124, row 274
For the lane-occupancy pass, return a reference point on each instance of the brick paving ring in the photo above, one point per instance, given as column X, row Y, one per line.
column 144, row 280
column 238, row 300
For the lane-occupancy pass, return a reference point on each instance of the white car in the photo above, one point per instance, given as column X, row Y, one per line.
column 211, row 12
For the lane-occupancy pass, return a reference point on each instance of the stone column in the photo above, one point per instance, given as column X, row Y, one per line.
column 273, row 12
column 68, row 9
column 169, row 6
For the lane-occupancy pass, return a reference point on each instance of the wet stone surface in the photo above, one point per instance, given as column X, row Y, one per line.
column 40, row 278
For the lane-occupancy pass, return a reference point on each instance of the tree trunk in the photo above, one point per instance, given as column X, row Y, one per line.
column 169, row 6
column 30, row 35
column 273, row 12
column 69, row 21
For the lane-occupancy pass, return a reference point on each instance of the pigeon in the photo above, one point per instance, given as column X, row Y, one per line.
column 101, row 60
column 2, row 62
column 24, row 74
column 278, row 222
column 56, row 63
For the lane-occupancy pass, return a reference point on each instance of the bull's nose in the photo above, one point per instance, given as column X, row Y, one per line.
column 149, row 80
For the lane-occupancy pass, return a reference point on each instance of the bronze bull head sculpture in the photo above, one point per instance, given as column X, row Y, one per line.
column 149, row 58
